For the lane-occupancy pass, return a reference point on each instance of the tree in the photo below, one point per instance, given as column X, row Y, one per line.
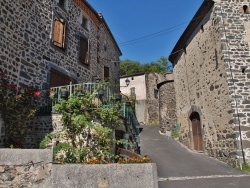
column 128, row 67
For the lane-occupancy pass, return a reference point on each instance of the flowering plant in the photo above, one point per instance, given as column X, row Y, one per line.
column 17, row 109
column 134, row 160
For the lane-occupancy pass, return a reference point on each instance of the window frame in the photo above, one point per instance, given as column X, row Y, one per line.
column 62, row 5
column 83, row 60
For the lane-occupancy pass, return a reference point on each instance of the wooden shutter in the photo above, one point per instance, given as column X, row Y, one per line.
column 84, row 47
column 59, row 32
column 106, row 73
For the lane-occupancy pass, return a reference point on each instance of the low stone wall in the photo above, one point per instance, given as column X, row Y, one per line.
column 24, row 167
column 34, row 168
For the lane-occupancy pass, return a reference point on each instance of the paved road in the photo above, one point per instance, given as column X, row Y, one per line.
column 179, row 167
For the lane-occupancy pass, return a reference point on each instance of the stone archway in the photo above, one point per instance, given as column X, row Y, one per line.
column 197, row 131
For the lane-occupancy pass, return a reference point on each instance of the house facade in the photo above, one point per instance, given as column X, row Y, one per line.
column 54, row 43
column 211, row 78
column 154, row 96
column 50, row 43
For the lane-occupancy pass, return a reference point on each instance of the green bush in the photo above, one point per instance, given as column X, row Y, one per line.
column 87, row 130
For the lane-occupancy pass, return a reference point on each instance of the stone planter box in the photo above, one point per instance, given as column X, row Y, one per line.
column 23, row 167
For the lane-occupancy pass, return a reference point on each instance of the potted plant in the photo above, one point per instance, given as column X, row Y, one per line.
column 53, row 94
column 79, row 92
column 64, row 93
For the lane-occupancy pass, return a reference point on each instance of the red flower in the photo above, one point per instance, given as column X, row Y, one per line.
column 37, row 93
column 13, row 87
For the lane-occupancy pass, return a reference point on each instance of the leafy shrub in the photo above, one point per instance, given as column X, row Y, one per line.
column 17, row 108
column 87, row 130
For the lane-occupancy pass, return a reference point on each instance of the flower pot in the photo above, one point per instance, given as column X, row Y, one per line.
column 79, row 93
column 64, row 94
column 53, row 95
column 100, row 93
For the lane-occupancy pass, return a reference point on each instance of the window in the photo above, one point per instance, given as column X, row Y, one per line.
column 62, row 4
column 105, row 46
column 106, row 73
column 84, row 51
column 59, row 33
column 132, row 91
column 84, row 22
column 202, row 29
column 245, row 9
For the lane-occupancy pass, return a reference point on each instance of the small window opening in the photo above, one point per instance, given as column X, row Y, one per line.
column 61, row 3
column 244, row 69
column 185, row 49
column 245, row 8
column 105, row 46
column 84, row 22
column 202, row 29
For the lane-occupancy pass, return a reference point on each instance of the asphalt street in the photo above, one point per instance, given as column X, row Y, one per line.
column 179, row 167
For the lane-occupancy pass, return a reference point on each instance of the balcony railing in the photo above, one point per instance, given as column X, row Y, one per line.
column 104, row 92
column 129, row 114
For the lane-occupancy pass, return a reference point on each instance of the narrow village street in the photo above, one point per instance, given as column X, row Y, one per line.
column 178, row 167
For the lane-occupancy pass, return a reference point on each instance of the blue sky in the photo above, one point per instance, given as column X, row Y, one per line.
column 145, row 30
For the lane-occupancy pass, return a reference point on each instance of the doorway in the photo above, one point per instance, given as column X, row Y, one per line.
column 197, row 132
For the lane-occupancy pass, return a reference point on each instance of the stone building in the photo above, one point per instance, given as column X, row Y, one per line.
column 54, row 42
column 167, row 104
column 154, row 97
column 212, row 77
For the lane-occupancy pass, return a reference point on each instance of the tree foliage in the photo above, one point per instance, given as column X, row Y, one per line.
column 128, row 67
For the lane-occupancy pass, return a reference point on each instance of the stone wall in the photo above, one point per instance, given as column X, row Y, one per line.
column 235, row 37
column 167, row 107
column 34, row 168
column 24, row 167
column 201, row 86
column 27, row 53
column 152, row 97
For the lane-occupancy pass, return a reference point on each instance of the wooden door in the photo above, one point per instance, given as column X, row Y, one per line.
column 59, row 79
column 197, row 135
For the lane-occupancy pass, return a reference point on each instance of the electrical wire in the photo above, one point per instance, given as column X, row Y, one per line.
column 162, row 32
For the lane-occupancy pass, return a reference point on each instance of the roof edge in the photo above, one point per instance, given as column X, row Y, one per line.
column 196, row 20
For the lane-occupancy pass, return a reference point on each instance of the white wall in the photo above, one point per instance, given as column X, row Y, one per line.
column 136, row 81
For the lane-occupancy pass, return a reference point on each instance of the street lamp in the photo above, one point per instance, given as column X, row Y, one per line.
column 127, row 81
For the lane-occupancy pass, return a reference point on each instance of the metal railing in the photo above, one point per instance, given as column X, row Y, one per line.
column 50, row 97
column 104, row 92
column 129, row 114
